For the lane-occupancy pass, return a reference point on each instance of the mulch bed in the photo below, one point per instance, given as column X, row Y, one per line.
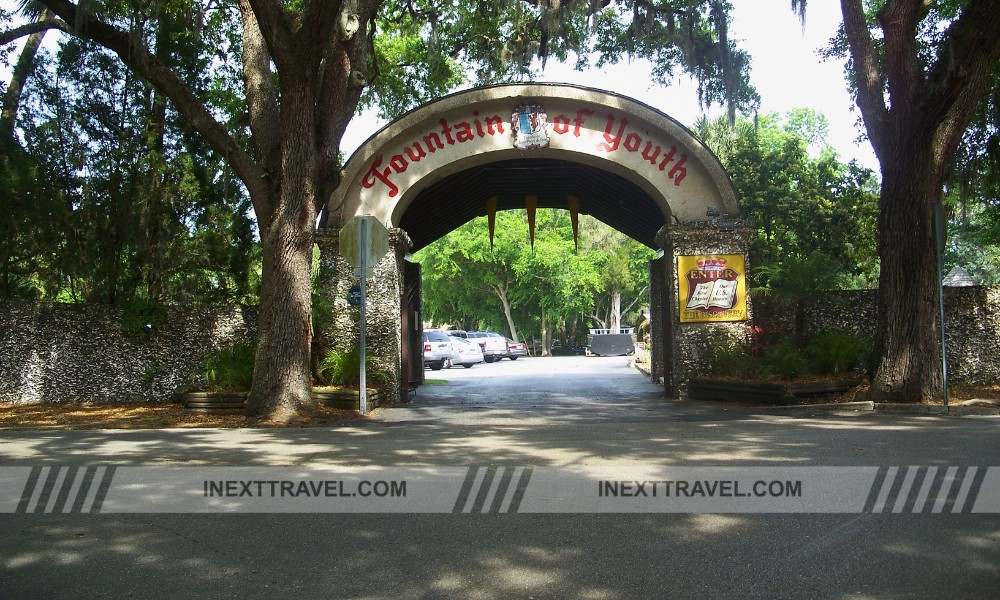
column 157, row 415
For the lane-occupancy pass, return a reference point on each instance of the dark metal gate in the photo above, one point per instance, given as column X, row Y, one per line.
column 661, row 326
column 412, row 359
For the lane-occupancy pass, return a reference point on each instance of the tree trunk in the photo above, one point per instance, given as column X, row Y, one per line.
column 152, row 217
column 616, row 309
column 915, row 135
column 908, row 355
column 502, row 294
column 282, row 380
column 19, row 77
column 545, row 336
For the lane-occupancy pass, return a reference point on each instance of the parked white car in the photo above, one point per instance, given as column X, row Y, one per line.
column 494, row 345
column 438, row 349
column 466, row 353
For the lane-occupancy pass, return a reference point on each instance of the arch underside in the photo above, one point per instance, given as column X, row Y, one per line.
column 456, row 199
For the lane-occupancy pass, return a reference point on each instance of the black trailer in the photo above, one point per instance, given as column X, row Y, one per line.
column 611, row 342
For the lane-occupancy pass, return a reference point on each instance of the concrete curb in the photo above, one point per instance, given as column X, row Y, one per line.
column 892, row 409
column 925, row 409
column 826, row 407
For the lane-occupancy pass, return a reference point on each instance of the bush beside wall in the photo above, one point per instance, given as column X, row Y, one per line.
column 972, row 325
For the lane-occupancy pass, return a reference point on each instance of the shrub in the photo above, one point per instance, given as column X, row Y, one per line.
column 831, row 353
column 726, row 357
column 783, row 360
column 344, row 368
column 229, row 368
column 836, row 352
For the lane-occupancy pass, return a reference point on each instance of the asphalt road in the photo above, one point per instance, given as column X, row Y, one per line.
column 559, row 417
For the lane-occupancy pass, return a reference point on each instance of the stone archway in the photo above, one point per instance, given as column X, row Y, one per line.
column 442, row 164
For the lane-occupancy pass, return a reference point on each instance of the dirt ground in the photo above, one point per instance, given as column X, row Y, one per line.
column 957, row 394
column 158, row 415
column 168, row 415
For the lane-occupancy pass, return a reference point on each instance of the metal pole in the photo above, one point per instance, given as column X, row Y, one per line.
column 363, row 387
column 939, row 230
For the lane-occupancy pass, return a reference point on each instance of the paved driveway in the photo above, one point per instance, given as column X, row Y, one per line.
column 559, row 419
column 570, row 387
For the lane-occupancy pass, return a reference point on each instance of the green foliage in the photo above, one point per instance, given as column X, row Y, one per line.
column 322, row 306
column 726, row 357
column 229, row 368
column 830, row 353
column 793, row 280
column 469, row 285
column 412, row 69
column 783, row 360
column 27, row 239
column 424, row 47
column 132, row 205
column 344, row 368
column 837, row 352
column 141, row 317
column 973, row 241
column 805, row 206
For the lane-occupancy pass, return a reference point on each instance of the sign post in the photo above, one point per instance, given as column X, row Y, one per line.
column 940, row 233
column 363, row 242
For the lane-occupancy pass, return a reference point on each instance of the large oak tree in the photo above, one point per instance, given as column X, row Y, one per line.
column 303, row 70
column 920, row 70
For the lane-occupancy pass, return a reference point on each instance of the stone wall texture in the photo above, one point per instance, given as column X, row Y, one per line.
column 972, row 325
column 72, row 353
column 77, row 353
column 383, row 337
column 689, row 338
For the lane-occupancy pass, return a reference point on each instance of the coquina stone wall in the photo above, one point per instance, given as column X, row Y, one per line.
column 972, row 325
column 382, row 307
column 65, row 352
column 74, row 353
column 699, row 238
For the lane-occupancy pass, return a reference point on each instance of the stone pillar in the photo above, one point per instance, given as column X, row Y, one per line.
column 383, row 336
column 689, row 340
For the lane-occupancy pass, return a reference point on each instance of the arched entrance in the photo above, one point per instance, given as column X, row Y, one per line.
column 493, row 148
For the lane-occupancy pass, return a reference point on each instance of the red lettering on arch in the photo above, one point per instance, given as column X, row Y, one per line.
column 678, row 172
column 632, row 142
column 463, row 132
column 398, row 163
column 560, row 124
column 612, row 140
column 415, row 151
column 375, row 174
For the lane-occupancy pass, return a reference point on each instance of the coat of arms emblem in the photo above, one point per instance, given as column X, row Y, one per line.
column 529, row 127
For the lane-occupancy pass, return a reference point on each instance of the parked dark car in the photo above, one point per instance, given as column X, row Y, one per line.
column 557, row 349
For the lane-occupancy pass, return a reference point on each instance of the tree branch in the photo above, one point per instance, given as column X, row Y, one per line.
column 12, row 35
column 904, row 74
column 871, row 87
column 261, row 94
column 960, row 74
column 321, row 23
column 339, row 93
column 138, row 58
column 278, row 30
